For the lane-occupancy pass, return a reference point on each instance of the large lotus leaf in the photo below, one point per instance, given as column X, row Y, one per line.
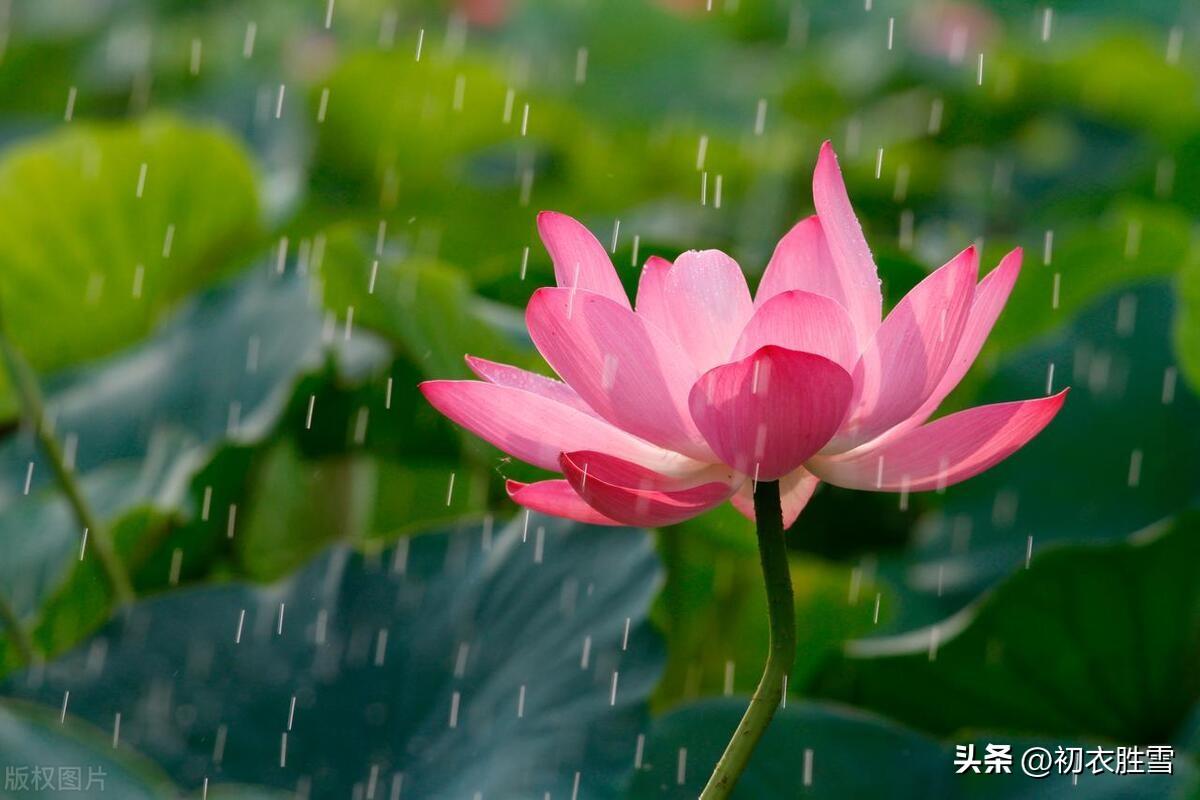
column 261, row 329
column 1098, row 640
column 821, row 751
column 1140, row 463
column 104, row 228
column 297, row 507
column 144, row 421
column 45, row 755
column 511, row 662
column 425, row 307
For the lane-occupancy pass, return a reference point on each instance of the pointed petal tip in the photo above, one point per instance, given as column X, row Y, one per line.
column 548, row 221
column 441, row 392
column 946, row 451
column 1012, row 260
column 556, row 498
column 538, row 295
column 827, row 159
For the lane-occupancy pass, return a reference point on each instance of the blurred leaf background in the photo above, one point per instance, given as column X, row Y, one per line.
column 235, row 234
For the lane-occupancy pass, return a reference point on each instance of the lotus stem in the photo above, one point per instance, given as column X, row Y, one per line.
column 34, row 408
column 781, row 612
column 17, row 633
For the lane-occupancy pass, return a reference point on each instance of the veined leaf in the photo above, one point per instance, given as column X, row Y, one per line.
column 1128, row 612
column 510, row 662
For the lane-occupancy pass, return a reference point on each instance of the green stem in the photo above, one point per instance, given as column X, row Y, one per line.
column 781, row 612
column 35, row 411
column 20, row 637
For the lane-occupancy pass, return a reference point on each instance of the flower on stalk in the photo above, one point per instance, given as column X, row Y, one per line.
column 680, row 402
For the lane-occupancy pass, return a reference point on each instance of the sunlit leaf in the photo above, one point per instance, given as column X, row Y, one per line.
column 104, row 228
column 425, row 307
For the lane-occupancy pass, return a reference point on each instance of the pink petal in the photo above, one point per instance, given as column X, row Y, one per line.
column 910, row 352
column 580, row 261
column 802, row 262
column 990, row 297
column 652, row 299
column 810, row 323
column 517, row 378
column 766, row 414
column 855, row 268
column 701, row 301
column 795, row 490
column 630, row 372
column 557, row 499
column 536, row 429
column 943, row 452
column 618, row 471
column 635, row 506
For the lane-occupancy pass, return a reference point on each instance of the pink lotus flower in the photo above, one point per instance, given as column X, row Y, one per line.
column 673, row 406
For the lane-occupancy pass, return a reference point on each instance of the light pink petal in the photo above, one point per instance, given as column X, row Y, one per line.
column 652, row 298
column 630, row 372
column 557, row 499
column 535, row 429
column 580, row 261
column 810, row 323
column 990, row 297
column 766, row 414
column 910, row 352
column 943, row 452
column 517, row 378
column 701, row 301
column 856, row 271
column 802, row 262
column 635, row 506
column 795, row 490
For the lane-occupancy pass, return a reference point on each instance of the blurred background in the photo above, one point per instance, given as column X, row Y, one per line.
column 234, row 236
